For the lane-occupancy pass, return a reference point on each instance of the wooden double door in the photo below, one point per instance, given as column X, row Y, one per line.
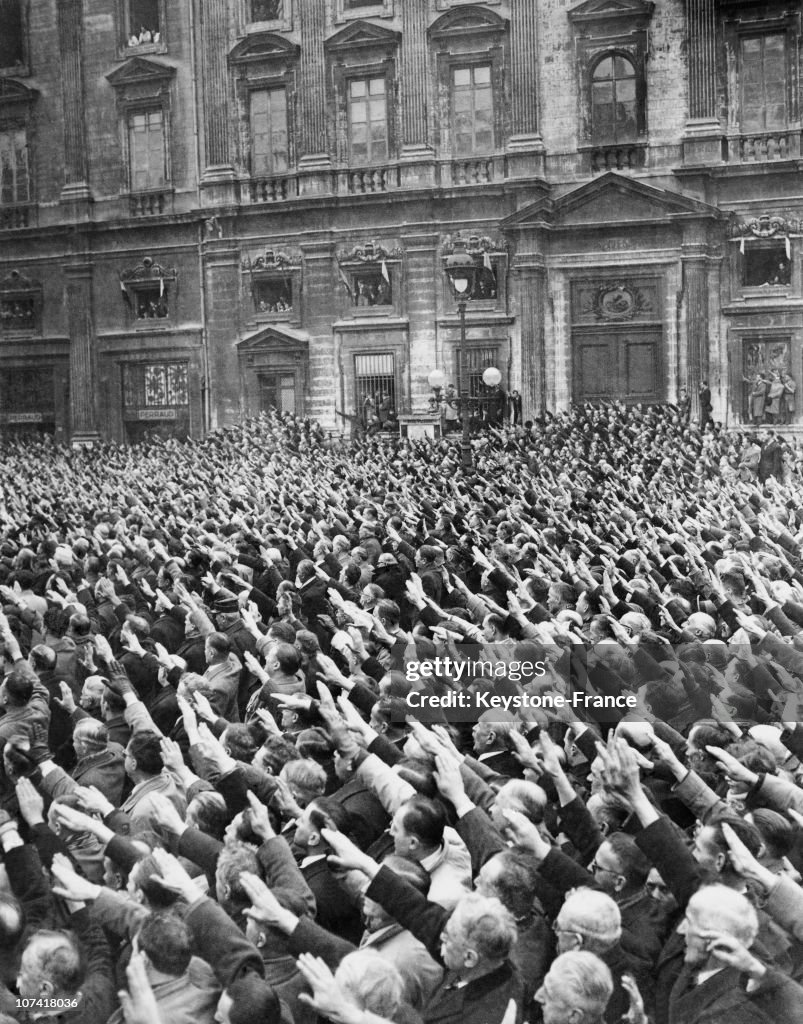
column 618, row 364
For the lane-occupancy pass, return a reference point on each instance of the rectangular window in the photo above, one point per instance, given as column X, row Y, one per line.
column 371, row 286
column 764, row 78
column 146, row 150
column 766, row 265
column 368, row 121
column 155, row 385
column 266, row 10
column 14, row 181
column 11, row 48
column 273, row 295
column 143, row 22
column 375, row 380
column 269, row 131
column 478, row 360
column 277, row 391
column 18, row 313
column 472, row 110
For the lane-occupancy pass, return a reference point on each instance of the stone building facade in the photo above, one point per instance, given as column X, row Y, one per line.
column 208, row 209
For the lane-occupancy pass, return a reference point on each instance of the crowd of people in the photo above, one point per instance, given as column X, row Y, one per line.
column 230, row 792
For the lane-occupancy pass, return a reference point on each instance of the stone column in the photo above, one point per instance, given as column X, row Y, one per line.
column 70, row 20
column 218, row 169
column 315, row 163
column 702, row 143
column 530, row 293
column 525, row 146
column 695, row 289
column 416, row 152
column 80, row 326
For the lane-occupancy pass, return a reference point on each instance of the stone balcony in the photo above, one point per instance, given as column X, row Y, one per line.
column 765, row 147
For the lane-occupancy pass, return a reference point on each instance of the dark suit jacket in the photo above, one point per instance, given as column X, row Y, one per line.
column 337, row 912
column 723, row 999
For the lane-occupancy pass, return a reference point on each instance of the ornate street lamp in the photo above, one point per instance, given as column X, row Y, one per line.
column 461, row 272
column 436, row 380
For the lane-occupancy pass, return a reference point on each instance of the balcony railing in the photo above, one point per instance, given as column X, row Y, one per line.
column 765, row 147
column 150, row 203
column 625, row 157
column 369, row 180
column 17, row 215
column 271, row 190
column 472, row 172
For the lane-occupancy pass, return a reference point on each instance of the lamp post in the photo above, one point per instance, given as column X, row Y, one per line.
column 461, row 272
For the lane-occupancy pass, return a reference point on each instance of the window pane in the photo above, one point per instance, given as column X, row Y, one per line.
column 764, row 82
column 623, row 68
column 604, row 69
column 14, row 185
column 146, row 150
column 472, row 110
column 368, row 121
column 626, row 90
column 268, row 131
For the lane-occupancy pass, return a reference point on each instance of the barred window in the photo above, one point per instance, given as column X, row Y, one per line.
column 155, row 385
column 478, row 360
column 375, row 380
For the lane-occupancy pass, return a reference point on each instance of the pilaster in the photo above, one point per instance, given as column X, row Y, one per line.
column 80, row 325
column 70, row 17
column 526, row 154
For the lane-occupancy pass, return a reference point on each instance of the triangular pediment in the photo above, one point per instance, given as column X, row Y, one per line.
column 263, row 46
column 274, row 336
column 363, row 33
column 139, row 69
column 601, row 9
column 464, row 20
column 611, row 199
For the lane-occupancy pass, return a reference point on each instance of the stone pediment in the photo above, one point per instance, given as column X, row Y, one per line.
column 263, row 46
column 274, row 337
column 140, row 71
column 467, row 20
column 362, row 34
column 611, row 199
column 605, row 10
column 15, row 93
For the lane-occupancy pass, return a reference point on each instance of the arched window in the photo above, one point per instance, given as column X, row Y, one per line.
column 613, row 100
